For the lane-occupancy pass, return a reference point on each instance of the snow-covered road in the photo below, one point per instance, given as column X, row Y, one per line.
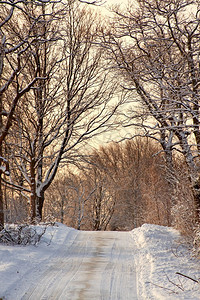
column 92, row 265
column 69, row 264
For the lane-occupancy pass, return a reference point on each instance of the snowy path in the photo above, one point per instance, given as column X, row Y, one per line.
column 92, row 265
column 69, row 264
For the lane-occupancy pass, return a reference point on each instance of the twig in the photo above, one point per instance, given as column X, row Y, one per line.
column 177, row 285
column 188, row 277
column 162, row 287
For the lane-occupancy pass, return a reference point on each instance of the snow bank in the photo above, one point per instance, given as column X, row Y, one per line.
column 160, row 255
column 23, row 264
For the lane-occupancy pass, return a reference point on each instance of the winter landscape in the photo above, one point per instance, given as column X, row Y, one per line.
column 99, row 149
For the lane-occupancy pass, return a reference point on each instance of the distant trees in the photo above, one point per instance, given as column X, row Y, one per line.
column 66, row 200
column 121, row 187
column 136, row 180
column 83, row 201
column 102, row 200
column 154, row 47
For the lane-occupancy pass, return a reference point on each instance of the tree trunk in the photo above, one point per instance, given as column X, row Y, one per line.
column 40, row 203
column 32, row 213
column 196, row 195
column 97, row 212
column 194, row 176
column 62, row 210
column 1, row 206
column 1, row 153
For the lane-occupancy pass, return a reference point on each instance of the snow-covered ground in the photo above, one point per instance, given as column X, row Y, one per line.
column 159, row 254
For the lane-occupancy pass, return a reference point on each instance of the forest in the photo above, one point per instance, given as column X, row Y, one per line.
column 100, row 114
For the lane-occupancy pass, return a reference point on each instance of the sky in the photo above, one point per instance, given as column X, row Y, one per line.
column 108, row 3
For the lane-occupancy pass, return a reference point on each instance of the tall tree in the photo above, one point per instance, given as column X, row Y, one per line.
column 16, row 42
column 70, row 107
column 155, row 46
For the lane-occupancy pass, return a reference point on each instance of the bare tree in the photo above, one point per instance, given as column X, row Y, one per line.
column 71, row 106
column 155, row 47
column 16, row 42
column 102, row 200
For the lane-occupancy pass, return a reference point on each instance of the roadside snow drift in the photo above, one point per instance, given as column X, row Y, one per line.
column 161, row 253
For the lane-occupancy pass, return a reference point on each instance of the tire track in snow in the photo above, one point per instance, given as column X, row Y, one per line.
column 96, row 265
column 120, row 277
column 53, row 280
